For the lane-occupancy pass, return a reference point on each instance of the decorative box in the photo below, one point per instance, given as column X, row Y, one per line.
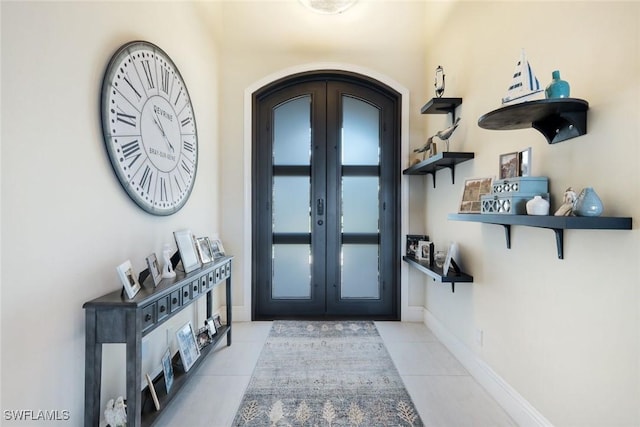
column 536, row 185
column 510, row 204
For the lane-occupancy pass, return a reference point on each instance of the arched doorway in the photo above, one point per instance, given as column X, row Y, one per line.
column 326, row 203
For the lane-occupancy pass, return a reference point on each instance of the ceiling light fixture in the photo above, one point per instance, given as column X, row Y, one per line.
column 328, row 7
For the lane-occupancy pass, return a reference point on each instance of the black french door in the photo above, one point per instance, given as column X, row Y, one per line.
column 325, row 199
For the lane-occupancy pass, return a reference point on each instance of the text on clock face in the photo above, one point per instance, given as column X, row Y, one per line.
column 162, row 113
column 162, row 154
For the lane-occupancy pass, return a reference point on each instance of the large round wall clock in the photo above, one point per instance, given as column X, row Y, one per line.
column 149, row 127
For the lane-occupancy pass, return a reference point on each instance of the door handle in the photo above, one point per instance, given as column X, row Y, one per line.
column 320, row 210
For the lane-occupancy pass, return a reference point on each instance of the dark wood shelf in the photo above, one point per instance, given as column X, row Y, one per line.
column 436, row 273
column 556, row 223
column 441, row 106
column 445, row 160
column 557, row 119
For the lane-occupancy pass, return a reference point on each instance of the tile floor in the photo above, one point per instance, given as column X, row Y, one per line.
column 442, row 390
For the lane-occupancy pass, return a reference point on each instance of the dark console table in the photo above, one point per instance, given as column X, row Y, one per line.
column 114, row 318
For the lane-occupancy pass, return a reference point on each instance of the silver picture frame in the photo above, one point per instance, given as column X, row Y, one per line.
column 187, row 248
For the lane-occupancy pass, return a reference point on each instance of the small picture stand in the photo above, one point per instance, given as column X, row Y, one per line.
column 448, row 262
column 167, row 369
column 129, row 279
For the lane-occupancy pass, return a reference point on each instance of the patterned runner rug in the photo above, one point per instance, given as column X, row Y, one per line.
column 325, row 374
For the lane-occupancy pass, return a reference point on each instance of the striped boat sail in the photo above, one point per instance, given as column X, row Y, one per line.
column 524, row 84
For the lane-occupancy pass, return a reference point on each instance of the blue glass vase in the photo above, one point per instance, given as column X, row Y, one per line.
column 588, row 203
column 558, row 88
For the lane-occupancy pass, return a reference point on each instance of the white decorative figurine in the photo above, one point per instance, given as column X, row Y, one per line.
column 445, row 134
column 115, row 414
column 568, row 201
column 167, row 269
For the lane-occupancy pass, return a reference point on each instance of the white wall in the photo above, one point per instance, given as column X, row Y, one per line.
column 564, row 333
column 66, row 222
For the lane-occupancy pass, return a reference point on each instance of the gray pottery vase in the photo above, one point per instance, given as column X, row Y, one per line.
column 588, row 203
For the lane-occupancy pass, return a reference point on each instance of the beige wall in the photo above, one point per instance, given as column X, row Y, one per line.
column 564, row 333
column 66, row 222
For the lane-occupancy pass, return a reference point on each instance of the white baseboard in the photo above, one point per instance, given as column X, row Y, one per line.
column 518, row 408
column 413, row 314
column 239, row 313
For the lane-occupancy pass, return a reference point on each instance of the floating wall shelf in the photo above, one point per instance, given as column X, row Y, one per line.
column 447, row 159
column 556, row 223
column 442, row 106
column 436, row 273
column 557, row 119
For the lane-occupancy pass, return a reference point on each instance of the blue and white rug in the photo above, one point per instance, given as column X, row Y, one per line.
column 325, row 374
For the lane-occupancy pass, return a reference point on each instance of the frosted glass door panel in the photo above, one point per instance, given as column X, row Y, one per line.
column 292, row 132
column 360, row 200
column 360, row 272
column 360, row 132
column 291, row 204
column 291, row 272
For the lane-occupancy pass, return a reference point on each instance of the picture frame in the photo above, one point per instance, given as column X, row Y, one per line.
column 452, row 254
column 203, row 245
column 213, row 331
column 217, row 250
column 187, row 346
column 217, row 321
column 509, row 165
column 128, row 278
column 425, row 251
column 167, row 369
column 152, row 390
column 473, row 190
column 186, row 247
column 154, row 269
column 412, row 244
column 203, row 337
column 525, row 162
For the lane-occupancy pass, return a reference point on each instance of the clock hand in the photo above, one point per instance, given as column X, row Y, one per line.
column 159, row 124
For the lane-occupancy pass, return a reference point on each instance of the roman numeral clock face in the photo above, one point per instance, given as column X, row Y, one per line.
column 149, row 128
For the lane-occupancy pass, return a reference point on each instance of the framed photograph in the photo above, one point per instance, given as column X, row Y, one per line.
column 474, row 189
column 187, row 248
column 525, row 162
column 154, row 269
column 412, row 244
column 213, row 331
column 425, row 251
column 189, row 351
column 167, row 368
column 216, row 248
column 203, row 245
column 451, row 254
column 128, row 278
column 509, row 165
column 152, row 390
column 203, row 337
column 217, row 321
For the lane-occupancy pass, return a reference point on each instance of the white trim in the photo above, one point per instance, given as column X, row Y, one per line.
column 518, row 408
column 404, row 190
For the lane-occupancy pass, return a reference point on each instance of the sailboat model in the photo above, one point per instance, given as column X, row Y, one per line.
column 524, row 85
